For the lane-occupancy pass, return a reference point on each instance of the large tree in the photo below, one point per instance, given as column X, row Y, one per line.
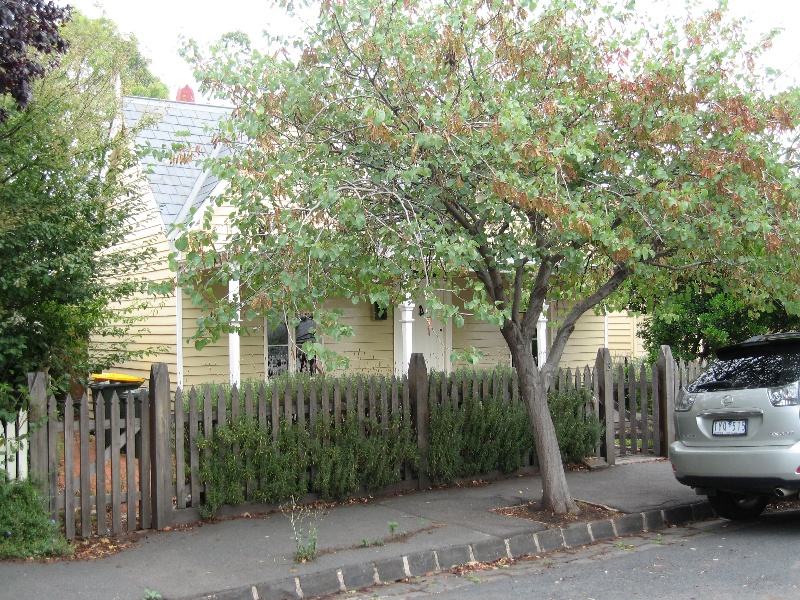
column 107, row 53
column 29, row 37
column 66, row 198
column 510, row 153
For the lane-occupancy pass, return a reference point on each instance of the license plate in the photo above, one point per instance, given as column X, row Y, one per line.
column 733, row 427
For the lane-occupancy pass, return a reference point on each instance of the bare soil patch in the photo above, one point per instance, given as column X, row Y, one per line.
column 534, row 511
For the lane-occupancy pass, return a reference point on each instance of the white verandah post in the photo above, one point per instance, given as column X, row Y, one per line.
column 406, row 324
column 234, row 343
column 541, row 337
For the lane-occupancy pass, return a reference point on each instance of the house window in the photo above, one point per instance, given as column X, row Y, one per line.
column 305, row 332
column 277, row 349
column 284, row 353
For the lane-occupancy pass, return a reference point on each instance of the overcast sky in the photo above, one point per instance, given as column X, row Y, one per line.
column 157, row 24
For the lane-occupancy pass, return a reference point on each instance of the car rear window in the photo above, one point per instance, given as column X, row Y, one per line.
column 748, row 372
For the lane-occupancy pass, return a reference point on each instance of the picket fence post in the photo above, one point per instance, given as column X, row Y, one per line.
column 666, row 396
column 603, row 367
column 418, row 395
column 160, row 453
column 37, row 423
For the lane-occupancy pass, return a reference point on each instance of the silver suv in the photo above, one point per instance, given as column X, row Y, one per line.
column 738, row 427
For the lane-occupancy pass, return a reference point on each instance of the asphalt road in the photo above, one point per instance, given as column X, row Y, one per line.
column 709, row 560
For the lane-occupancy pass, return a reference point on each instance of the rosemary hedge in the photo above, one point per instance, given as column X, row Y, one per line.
column 336, row 460
column 477, row 437
column 341, row 458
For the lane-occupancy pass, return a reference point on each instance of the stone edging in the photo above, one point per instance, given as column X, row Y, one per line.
column 389, row 570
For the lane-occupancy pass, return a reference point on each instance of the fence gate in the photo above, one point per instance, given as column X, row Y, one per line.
column 96, row 457
column 635, row 406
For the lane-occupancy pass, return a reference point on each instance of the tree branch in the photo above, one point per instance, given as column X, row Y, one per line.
column 567, row 327
column 539, row 290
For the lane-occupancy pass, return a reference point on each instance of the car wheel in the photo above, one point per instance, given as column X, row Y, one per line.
column 738, row 507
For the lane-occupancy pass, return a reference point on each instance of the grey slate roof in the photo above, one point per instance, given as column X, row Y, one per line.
column 170, row 122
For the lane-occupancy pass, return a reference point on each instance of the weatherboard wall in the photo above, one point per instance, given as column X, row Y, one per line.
column 622, row 335
column 371, row 348
column 155, row 332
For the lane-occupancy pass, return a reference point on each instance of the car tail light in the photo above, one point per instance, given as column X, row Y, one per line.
column 786, row 395
column 683, row 402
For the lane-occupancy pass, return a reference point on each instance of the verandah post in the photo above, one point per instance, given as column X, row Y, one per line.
column 418, row 394
column 160, row 456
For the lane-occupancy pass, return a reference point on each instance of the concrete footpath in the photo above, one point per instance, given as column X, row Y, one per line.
column 252, row 558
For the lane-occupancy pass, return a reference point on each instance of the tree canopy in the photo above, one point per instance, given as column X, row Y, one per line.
column 107, row 52
column 509, row 153
column 65, row 199
column 698, row 318
column 29, row 32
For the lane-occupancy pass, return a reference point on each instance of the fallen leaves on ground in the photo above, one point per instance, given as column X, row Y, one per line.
column 535, row 512
column 96, row 547
column 474, row 566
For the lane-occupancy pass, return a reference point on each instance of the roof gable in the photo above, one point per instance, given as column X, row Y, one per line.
column 177, row 188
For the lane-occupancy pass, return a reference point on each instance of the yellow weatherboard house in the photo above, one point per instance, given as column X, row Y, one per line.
column 180, row 190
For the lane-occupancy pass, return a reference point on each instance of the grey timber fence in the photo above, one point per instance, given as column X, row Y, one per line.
column 635, row 404
column 133, row 463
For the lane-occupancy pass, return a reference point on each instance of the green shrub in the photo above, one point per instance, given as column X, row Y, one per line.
column 478, row 437
column 222, row 470
column 26, row 530
column 384, row 452
column 242, row 451
column 343, row 461
column 446, row 445
column 578, row 433
column 281, row 467
column 336, row 460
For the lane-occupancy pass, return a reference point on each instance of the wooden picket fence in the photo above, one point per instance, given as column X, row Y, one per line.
column 14, row 447
column 133, row 462
column 378, row 397
column 635, row 406
column 67, row 449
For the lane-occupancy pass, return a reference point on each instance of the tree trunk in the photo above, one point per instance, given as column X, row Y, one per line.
column 533, row 389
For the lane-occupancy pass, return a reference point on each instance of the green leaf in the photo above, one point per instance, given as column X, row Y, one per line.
column 181, row 243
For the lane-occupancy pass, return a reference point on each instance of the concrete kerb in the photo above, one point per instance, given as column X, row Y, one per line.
column 389, row 570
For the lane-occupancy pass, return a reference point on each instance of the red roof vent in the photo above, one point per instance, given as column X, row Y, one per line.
column 185, row 94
